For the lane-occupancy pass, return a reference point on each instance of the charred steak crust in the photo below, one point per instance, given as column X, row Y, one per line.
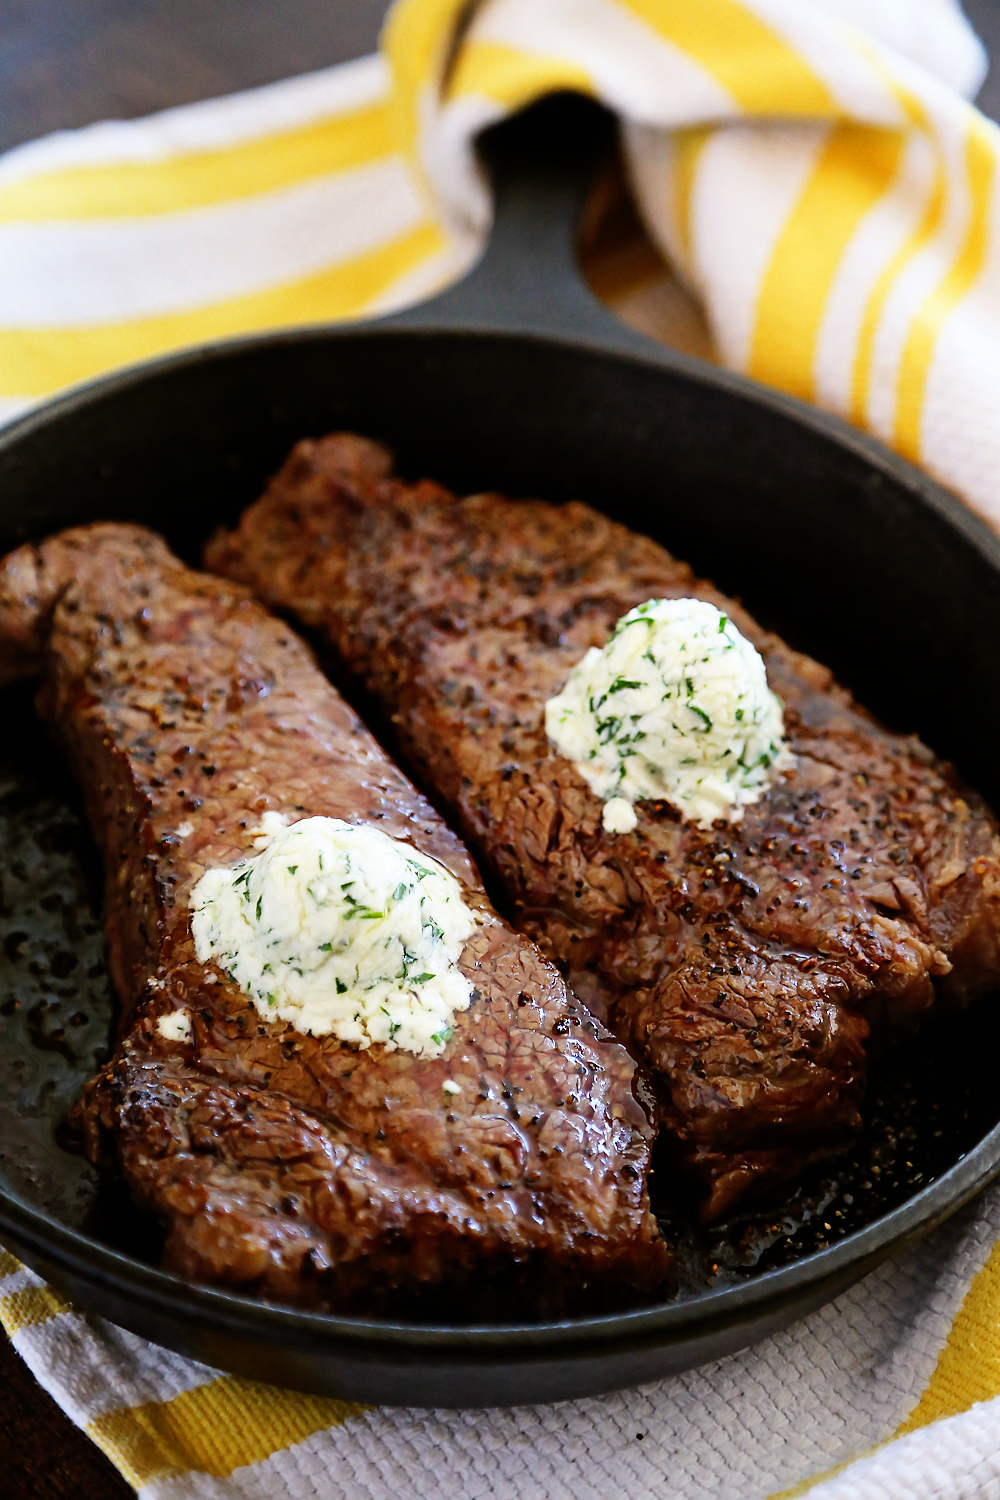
column 746, row 966
column 294, row 1167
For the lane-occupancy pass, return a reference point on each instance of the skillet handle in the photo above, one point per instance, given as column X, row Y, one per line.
column 542, row 162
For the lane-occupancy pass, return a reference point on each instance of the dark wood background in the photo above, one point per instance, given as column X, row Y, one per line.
column 69, row 62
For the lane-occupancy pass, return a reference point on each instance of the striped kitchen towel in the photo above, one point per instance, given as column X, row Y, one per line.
column 814, row 173
column 910, row 1354
column 811, row 168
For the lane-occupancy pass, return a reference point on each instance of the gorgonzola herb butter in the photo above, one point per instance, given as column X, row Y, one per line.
column 675, row 706
column 338, row 928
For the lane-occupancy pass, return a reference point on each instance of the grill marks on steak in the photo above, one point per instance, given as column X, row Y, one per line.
column 745, row 966
column 296, row 1167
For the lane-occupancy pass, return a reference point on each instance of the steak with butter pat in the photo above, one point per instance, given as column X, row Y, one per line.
column 745, row 966
column 291, row 1166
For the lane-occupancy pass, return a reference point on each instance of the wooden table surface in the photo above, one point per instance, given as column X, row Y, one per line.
column 68, row 62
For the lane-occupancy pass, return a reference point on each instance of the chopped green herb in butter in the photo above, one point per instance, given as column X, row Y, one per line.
column 338, row 928
column 675, row 706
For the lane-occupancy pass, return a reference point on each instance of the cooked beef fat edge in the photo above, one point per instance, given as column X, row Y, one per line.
column 744, row 964
column 506, row 1170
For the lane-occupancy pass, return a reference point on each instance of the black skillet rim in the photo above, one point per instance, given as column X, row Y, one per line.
column 87, row 1260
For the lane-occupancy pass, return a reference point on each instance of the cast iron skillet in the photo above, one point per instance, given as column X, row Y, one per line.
column 518, row 380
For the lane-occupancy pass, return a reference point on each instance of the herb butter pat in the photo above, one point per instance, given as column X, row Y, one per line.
column 176, row 1027
column 340, row 929
column 675, row 706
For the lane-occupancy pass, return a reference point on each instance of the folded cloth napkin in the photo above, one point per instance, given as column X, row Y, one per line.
column 814, row 173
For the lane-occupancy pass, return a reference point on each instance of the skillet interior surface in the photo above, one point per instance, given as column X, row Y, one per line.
column 850, row 554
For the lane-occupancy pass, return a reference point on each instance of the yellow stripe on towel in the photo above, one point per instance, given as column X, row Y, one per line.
column 31, row 1307
column 914, row 367
column 968, row 1367
column 212, row 1429
column 921, row 237
column 201, row 179
column 742, row 54
column 689, row 146
column 855, row 168
column 418, row 40
column 34, row 361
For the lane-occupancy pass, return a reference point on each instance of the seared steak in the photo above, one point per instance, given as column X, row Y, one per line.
column 297, row 1167
column 744, row 966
